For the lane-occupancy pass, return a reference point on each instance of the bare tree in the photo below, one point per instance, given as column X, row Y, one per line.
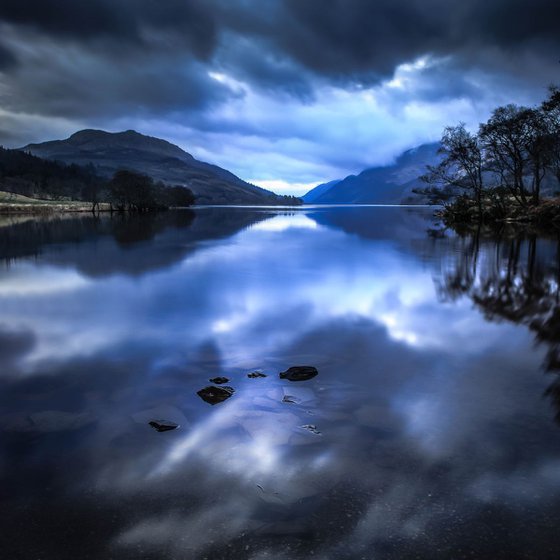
column 551, row 110
column 462, row 163
column 504, row 138
column 537, row 147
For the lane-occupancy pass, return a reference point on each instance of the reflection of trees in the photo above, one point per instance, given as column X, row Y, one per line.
column 119, row 243
column 28, row 237
column 516, row 280
column 128, row 229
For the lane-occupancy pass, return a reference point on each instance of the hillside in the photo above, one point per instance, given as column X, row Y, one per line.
column 161, row 160
column 31, row 183
column 34, row 177
column 311, row 196
column 391, row 184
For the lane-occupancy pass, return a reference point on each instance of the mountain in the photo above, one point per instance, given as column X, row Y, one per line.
column 159, row 159
column 311, row 196
column 391, row 184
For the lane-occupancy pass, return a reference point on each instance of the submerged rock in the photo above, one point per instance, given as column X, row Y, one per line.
column 163, row 425
column 171, row 414
column 219, row 380
column 311, row 428
column 255, row 374
column 215, row 395
column 298, row 394
column 299, row 373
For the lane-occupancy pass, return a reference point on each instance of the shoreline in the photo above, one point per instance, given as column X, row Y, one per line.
column 77, row 207
column 50, row 207
column 543, row 218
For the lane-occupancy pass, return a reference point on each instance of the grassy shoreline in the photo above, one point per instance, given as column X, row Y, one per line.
column 10, row 209
column 18, row 204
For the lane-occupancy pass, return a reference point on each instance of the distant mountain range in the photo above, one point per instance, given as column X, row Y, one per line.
column 390, row 184
column 314, row 194
column 108, row 152
column 161, row 160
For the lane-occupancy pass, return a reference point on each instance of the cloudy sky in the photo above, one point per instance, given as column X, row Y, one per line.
column 284, row 93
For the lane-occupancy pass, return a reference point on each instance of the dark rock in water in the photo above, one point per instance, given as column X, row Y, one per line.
column 255, row 374
column 311, row 428
column 219, row 380
column 163, row 425
column 215, row 395
column 290, row 399
column 299, row 373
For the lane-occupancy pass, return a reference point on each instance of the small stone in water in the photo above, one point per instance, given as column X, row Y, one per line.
column 219, row 380
column 255, row 374
column 163, row 425
column 299, row 373
column 215, row 395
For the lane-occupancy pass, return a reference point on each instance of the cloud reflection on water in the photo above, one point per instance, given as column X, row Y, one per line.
column 424, row 407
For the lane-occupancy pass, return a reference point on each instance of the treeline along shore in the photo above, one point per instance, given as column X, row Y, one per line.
column 506, row 172
column 32, row 184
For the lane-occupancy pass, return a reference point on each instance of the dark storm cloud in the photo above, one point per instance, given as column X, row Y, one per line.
column 107, row 59
column 7, row 59
column 281, row 46
column 74, row 83
column 355, row 40
column 120, row 20
column 343, row 38
column 512, row 22
column 250, row 62
column 364, row 41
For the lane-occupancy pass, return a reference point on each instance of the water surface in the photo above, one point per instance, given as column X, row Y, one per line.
column 434, row 409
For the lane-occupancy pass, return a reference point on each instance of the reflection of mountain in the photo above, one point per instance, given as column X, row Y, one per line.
column 134, row 244
column 516, row 280
column 130, row 244
column 390, row 184
column 154, row 157
column 386, row 223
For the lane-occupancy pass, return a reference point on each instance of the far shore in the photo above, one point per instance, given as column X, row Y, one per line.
column 43, row 207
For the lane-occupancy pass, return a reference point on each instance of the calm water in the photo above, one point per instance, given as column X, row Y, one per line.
column 435, row 404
